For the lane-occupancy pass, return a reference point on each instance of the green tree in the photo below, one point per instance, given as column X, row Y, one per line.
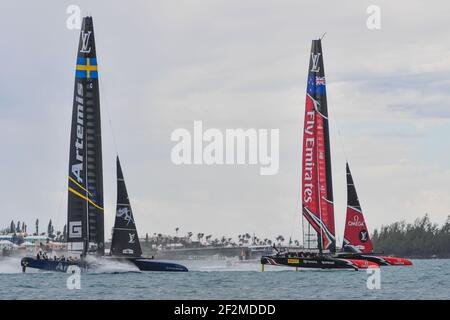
column 421, row 238
column 50, row 229
column 64, row 234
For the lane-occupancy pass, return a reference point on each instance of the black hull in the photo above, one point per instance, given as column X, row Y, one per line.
column 310, row 262
column 51, row 265
column 318, row 262
column 143, row 264
column 152, row 265
column 147, row 264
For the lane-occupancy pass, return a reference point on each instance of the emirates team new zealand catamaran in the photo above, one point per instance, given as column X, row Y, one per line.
column 317, row 188
column 85, row 213
column 317, row 194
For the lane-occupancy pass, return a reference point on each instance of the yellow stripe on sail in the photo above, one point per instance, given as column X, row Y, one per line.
column 85, row 198
column 81, row 187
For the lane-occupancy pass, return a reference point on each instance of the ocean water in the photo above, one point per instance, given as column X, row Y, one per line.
column 229, row 279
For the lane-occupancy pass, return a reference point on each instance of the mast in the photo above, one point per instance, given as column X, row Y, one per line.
column 125, row 240
column 317, row 186
column 85, row 218
column 356, row 236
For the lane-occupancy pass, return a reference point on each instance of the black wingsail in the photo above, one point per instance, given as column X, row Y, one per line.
column 125, row 241
column 85, row 196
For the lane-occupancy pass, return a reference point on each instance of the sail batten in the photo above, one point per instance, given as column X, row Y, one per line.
column 85, row 182
column 317, row 188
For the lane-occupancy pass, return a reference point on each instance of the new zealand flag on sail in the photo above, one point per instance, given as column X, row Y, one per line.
column 316, row 85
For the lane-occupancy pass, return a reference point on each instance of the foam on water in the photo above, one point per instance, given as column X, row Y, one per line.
column 10, row 265
column 111, row 266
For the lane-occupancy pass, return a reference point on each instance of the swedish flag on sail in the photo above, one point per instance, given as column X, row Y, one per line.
column 86, row 68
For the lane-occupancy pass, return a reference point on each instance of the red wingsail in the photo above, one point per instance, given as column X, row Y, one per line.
column 317, row 190
column 356, row 235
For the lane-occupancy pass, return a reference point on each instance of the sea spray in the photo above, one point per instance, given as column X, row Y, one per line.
column 11, row 265
column 104, row 265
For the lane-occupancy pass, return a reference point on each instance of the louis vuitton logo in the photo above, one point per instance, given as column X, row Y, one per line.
column 315, row 62
column 85, row 47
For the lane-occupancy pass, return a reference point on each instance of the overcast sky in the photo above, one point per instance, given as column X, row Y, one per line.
column 231, row 64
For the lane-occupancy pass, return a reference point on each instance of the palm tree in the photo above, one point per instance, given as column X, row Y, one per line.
column 64, row 234
column 245, row 237
column 176, row 230
column 280, row 239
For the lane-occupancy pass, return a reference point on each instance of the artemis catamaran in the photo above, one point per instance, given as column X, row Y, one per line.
column 85, row 211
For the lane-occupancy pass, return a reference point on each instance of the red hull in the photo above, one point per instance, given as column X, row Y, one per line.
column 364, row 264
column 394, row 261
column 379, row 260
